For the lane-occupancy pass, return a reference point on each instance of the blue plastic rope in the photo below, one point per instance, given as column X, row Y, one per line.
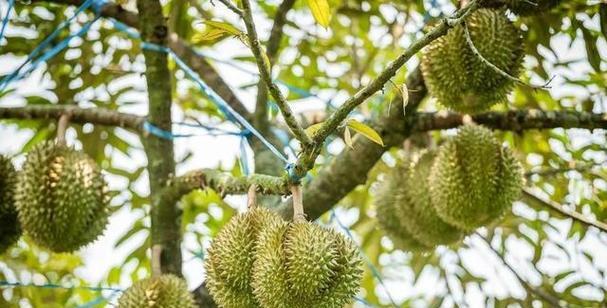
column 16, row 75
column 244, row 157
column 374, row 271
column 5, row 20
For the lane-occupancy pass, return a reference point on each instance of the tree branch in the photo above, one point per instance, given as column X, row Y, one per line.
column 350, row 168
column 553, row 301
column 514, row 120
column 79, row 115
column 197, row 62
column 264, row 70
column 165, row 226
column 222, row 182
column 264, row 159
column 307, row 159
column 531, row 196
column 272, row 49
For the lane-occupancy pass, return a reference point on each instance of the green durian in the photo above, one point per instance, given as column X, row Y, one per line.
column 230, row 258
column 458, row 78
column 415, row 209
column 165, row 291
column 61, row 198
column 301, row 264
column 10, row 230
column 386, row 210
column 524, row 7
column 474, row 180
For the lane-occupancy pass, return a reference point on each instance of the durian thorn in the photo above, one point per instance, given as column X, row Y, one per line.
column 156, row 266
column 252, row 197
column 62, row 125
column 494, row 67
column 298, row 210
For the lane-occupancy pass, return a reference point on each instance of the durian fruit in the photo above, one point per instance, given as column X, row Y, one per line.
column 165, row 291
column 474, row 180
column 301, row 264
column 61, row 198
column 415, row 209
column 386, row 210
column 458, row 78
column 524, row 7
column 230, row 258
column 10, row 230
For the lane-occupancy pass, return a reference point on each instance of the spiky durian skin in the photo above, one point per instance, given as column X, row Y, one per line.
column 474, row 180
column 386, row 206
column 61, row 198
column 415, row 209
column 458, row 78
column 301, row 264
column 10, row 230
column 524, row 7
column 230, row 258
column 165, row 291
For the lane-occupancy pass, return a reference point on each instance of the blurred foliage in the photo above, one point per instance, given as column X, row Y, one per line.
column 556, row 256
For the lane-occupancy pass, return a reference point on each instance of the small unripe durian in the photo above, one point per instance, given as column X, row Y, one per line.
column 386, row 207
column 474, row 180
column 165, row 291
column 458, row 78
column 301, row 264
column 230, row 258
column 415, row 209
column 10, row 230
column 61, row 198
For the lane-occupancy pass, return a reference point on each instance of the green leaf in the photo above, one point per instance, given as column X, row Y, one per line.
column 321, row 11
column 226, row 27
column 365, row 130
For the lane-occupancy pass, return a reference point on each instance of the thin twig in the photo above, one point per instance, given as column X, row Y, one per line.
column 232, row 7
column 494, row 67
column 561, row 209
column 264, row 70
column 557, row 171
column 62, row 125
column 529, row 288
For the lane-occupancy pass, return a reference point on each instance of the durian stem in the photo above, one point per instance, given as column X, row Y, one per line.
column 298, row 210
column 156, row 264
column 494, row 67
column 62, row 126
column 252, row 197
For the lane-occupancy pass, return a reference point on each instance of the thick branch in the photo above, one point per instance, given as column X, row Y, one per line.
column 307, row 159
column 223, row 182
column 166, row 228
column 514, row 120
column 531, row 196
column 77, row 115
column 264, row 71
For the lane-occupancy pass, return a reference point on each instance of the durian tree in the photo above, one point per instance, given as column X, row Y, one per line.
column 448, row 153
